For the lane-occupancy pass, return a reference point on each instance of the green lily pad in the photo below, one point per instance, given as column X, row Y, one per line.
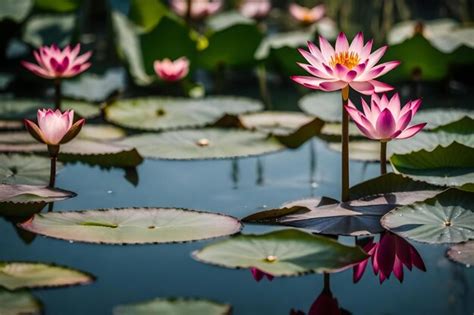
column 463, row 126
column 133, row 225
column 326, row 106
column 445, row 166
column 428, row 141
column 157, row 114
column 57, row 5
column 436, row 118
column 327, row 216
column 462, row 253
column 332, row 132
column 146, row 13
column 368, row 151
column 19, row 275
column 47, row 29
column 177, row 306
column 20, row 169
column 17, row 303
column 209, row 143
column 281, row 253
column 16, row 10
column 18, row 109
column 95, row 88
column 447, row 218
column 293, row 39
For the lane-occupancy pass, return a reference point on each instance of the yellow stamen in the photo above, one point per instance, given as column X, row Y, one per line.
column 345, row 58
column 270, row 258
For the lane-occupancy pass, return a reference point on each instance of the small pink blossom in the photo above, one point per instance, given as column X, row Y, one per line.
column 54, row 63
column 389, row 254
column 259, row 275
column 384, row 120
column 307, row 15
column 199, row 8
column 54, row 127
column 255, row 9
column 352, row 64
column 172, row 71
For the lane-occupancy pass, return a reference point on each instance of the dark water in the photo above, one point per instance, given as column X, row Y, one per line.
column 127, row 274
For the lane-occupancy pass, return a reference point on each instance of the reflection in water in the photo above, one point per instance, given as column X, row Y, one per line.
column 389, row 254
column 259, row 274
column 260, row 173
column 235, row 175
column 312, row 167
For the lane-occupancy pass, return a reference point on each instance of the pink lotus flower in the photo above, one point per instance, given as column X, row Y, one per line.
column 199, row 8
column 255, row 9
column 172, row 71
column 54, row 63
column 389, row 254
column 54, row 128
column 384, row 120
column 325, row 304
column 259, row 275
column 353, row 65
column 307, row 15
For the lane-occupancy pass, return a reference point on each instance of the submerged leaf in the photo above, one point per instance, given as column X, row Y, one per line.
column 24, row 169
column 19, row 303
column 133, row 225
column 177, row 306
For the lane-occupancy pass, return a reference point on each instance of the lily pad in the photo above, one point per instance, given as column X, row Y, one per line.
column 18, row 109
column 327, row 106
column 17, row 303
column 462, row 253
column 157, row 114
column 209, row 143
column 436, row 118
column 368, row 151
column 47, row 29
column 281, row 253
column 463, row 126
column 293, row 39
column 177, row 306
column 446, row 218
column 428, row 141
column 133, row 225
column 19, row 275
column 20, row 169
column 16, row 10
column 57, row 5
column 445, row 166
column 332, row 132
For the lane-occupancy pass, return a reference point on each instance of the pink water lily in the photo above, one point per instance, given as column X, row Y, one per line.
column 172, row 71
column 384, row 120
column 345, row 65
column 199, row 8
column 54, row 128
column 307, row 15
column 259, row 275
column 54, row 63
column 389, row 255
column 325, row 304
column 255, row 9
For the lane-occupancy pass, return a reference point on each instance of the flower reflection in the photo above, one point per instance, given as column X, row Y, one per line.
column 389, row 254
column 259, row 275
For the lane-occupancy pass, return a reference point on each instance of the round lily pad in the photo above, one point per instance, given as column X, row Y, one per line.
column 177, row 306
column 277, row 123
column 18, row 275
column 154, row 113
column 21, row 169
column 17, row 303
column 47, row 29
column 436, row 118
column 15, row 10
column 293, row 39
column 281, row 253
column 210, row 143
column 462, row 253
column 325, row 105
column 428, row 141
column 133, row 225
column 446, row 218
column 332, row 132
column 445, row 166
column 368, row 151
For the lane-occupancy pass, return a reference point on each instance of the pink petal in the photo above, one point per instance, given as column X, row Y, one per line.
column 398, row 269
column 386, row 67
column 332, row 86
column 415, row 105
column 350, row 76
column 341, row 71
column 309, row 82
column 403, row 122
column 326, row 49
column 257, row 274
column 385, row 125
column 410, row 132
column 341, row 43
column 394, row 105
column 365, row 52
column 362, row 87
column 416, row 259
column 375, row 56
column 357, row 43
column 386, row 255
column 315, row 50
column 380, row 87
column 36, row 69
column 403, row 252
column 314, row 71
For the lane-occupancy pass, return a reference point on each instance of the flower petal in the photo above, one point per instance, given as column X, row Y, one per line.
column 326, row 49
column 363, row 87
column 380, row 87
column 341, row 43
column 357, row 43
column 411, row 131
column 332, row 85
column 385, row 125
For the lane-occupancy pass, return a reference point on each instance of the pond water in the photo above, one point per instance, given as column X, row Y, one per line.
column 127, row 274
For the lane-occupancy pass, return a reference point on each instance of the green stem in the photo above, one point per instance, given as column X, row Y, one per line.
column 262, row 83
column 383, row 157
column 345, row 146
column 57, row 94
column 327, row 281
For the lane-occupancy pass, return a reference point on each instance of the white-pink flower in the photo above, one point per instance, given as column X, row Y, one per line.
column 384, row 120
column 54, row 127
column 352, row 64
column 171, row 71
column 55, row 63
column 199, row 8
column 255, row 9
column 307, row 15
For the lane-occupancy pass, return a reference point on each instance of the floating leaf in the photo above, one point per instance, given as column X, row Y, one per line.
column 281, row 253
column 155, row 113
column 462, row 253
column 428, row 141
column 463, row 126
column 19, row 169
column 133, row 225
column 360, row 150
column 18, row 275
column 57, row 5
column 276, row 41
column 16, row 10
column 209, row 143
column 436, row 118
column 325, row 105
column 19, row 303
column 332, row 132
column 177, row 306
column 146, row 13
column 48, row 29
column 445, row 166
column 447, row 218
